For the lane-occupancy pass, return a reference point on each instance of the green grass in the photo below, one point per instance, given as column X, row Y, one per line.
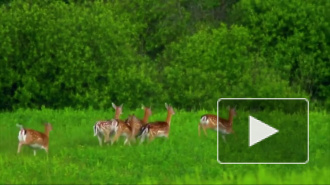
column 76, row 158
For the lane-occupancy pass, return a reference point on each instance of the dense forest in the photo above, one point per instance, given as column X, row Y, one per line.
column 190, row 53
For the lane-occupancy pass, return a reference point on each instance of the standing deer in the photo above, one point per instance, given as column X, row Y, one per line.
column 158, row 128
column 33, row 138
column 136, row 124
column 121, row 129
column 209, row 121
column 105, row 128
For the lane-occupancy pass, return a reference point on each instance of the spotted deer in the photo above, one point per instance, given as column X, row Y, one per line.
column 158, row 128
column 136, row 124
column 106, row 128
column 209, row 121
column 121, row 129
column 33, row 138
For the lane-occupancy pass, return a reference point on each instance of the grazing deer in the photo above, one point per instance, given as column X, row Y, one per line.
column 105, row 128
column 136, row 124
column 33, row 138
column 158, row 128
column 209, row 121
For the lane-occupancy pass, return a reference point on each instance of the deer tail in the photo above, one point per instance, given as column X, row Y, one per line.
column 96, row 129
column 144, row 130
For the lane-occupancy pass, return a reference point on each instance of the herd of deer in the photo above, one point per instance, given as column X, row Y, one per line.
column 131, row 128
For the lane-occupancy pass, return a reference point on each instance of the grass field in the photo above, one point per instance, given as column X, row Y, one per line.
column 76, row 158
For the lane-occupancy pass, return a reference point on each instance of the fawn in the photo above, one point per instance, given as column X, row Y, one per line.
column 158, row 128
column 33, row 138
column 105, row 128
column 209, row 121
column 136, row 124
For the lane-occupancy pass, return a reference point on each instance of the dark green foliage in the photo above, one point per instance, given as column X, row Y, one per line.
column 66, row 55
column 80, row 54
column 162, row 22
column 294, row 36
column 215, row 64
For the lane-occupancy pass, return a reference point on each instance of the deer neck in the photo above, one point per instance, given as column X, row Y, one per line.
column 117, row 115
column 145, row 118
column 47, row 131
column 230, row 118
column 168, row 118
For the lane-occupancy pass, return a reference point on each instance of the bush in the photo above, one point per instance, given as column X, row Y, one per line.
column 294, row 38
column 216, row 63
column 59, row 55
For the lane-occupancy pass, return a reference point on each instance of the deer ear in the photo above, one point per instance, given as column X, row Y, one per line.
column 114, row 105
column 166, row 105
column 121, row 106
column 142, row 106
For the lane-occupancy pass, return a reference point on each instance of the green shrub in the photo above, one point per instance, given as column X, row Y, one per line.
column 216, row 63
column 294, row 38
column 58, row 55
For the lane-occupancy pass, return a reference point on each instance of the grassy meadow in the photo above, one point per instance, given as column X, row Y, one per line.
column 76, row 158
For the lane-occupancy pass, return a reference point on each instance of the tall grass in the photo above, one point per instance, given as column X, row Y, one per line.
column 76, row 158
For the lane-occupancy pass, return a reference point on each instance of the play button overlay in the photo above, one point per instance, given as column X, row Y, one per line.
column 262, row 131
column 259, row 131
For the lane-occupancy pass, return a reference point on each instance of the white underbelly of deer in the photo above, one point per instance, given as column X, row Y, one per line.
column 222, row 131
column 161, row 133
column 36, row 146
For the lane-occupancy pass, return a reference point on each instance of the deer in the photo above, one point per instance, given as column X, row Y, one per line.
column 158, row 128
column 136, row 124
column 121, row 129
column 105, row 128
column 209, row 121
column 33, row 138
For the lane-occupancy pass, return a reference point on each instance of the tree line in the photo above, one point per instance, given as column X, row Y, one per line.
column 190, row 53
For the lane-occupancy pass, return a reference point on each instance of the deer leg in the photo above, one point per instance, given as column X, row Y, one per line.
column 133, row 132
column 199, row 129
column 110, row 134
column 204, row 129
column 142, row 138
column 19, row 147
column 127, row 141
column 118, row 133
column 151, row 138
column 34, row 152
column 46, row 149
column 106, row 137
column 224, row 138
column 100, row 139
column 133, row 139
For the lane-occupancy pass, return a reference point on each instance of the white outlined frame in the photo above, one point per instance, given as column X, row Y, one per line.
column 264, row 162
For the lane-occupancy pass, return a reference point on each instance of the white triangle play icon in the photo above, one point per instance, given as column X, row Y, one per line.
column 259, row 130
